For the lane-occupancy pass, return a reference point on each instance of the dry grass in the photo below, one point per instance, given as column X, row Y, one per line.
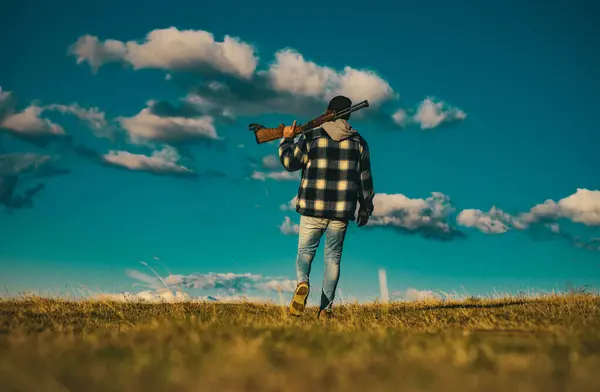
column 548, row 344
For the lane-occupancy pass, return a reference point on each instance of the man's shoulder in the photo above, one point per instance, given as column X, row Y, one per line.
column 361, row 140
column 318, row 133
column 314, row 133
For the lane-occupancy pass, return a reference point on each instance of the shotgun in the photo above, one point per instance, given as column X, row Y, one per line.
column 264, row 135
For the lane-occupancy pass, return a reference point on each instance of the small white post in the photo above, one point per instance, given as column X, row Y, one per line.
column 383, row 286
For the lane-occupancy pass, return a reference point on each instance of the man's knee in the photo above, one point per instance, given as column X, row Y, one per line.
column 307, row 253
column 333, row 255
column 309, row 243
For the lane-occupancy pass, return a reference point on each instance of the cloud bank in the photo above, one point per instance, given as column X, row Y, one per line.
column 229, row 283
column 581, row 207
column 429, row 217
column 436, row 218
column 29, row 125
column 542, row 221
column 225, row 79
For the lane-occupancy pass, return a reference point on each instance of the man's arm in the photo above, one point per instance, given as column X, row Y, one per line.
column 293, row 156
column 365, row 191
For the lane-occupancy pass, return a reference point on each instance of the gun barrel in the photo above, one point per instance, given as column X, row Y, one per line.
column 358, row 106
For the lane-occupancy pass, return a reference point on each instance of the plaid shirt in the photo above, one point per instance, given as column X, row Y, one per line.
column 335, row 175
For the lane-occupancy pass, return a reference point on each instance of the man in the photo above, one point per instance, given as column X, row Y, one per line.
column 336, row 174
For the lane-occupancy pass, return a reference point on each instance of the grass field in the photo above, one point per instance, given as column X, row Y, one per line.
column 548, row 344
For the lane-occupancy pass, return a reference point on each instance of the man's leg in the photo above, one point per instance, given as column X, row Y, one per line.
column 334, row 244
column 309, row 236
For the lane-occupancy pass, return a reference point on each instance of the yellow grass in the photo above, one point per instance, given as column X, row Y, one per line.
column 546, row 344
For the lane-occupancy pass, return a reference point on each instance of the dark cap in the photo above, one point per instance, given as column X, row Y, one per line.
column 339, row 103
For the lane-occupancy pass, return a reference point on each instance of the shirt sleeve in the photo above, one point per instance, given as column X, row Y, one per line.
column 293, row 155
column 366, row 191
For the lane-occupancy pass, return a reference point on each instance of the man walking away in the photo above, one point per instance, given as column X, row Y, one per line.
column 336, row 173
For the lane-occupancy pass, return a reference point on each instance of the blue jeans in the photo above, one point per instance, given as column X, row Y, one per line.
column 310, row 233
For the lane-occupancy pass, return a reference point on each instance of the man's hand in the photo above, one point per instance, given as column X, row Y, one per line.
column 288, row 131
column 363, row 218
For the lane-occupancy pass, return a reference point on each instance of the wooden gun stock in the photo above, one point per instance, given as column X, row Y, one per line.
column 265, row 135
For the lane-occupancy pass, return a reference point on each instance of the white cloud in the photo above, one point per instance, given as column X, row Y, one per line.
column 412, row 294
column 93, row 117
column 430, row 217
column 289, row 84
column 237, row 299
column 290, row 205
column 292, row 73
column 171, row 50
column 147, row 126
column 168, row 296
column 581, row 207
column 161, row 295
column 231, row 283
column 279, row 176
column 271, row 162
column 29, row 123
column 289, row 228
column 401, row 118
column 96, row 53
column 163, row 161
column 286, row 285
column 431, row 114
column 492, row 222
column 541, row 221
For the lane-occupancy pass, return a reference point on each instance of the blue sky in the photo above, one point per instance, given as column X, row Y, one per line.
column 495, row 106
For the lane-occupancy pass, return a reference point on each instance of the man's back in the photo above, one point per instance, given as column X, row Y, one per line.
column 336, row 171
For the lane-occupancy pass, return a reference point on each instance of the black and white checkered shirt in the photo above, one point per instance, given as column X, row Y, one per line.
column 335, row 175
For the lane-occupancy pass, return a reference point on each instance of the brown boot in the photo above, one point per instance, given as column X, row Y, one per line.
column 324, row 315
column 298, row 303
